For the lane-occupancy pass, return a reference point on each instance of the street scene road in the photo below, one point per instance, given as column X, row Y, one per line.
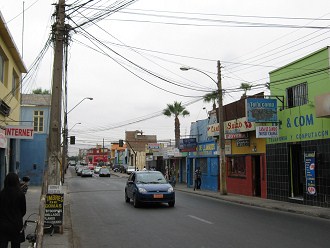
column 101, row 218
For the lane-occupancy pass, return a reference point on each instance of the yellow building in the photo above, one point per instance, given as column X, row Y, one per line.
column 11, row 69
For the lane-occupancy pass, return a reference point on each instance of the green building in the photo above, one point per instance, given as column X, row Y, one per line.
column 298, row 160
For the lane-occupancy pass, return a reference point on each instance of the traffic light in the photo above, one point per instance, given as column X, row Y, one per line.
column 72, row 140
column 121, row 143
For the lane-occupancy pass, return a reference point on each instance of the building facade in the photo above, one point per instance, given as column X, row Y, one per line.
column 11, row 69
column 298, row 161
column 35, row 111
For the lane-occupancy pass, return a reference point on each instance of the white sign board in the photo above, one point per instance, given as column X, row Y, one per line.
column 55, row 189
column 267, row 131
column 19, row 132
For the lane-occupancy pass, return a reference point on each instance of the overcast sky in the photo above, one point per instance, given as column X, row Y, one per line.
column 129, row 61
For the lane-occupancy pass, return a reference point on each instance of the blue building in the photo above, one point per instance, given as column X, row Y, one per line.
column 206, row 156
column 35, row 110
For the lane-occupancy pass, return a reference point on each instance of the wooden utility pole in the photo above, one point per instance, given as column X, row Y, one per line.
column 54, row 141
column 223, row 183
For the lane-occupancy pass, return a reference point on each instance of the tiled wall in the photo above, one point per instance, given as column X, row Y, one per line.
column 278, row 173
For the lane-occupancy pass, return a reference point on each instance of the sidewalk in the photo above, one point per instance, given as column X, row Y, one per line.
column 64, row 240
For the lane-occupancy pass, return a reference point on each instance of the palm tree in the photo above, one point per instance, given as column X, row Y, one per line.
column 211, row 97
column 245, row 87
column 176, row 110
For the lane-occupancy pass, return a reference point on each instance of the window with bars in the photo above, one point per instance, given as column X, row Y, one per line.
column 38, row 119
column 297, row 95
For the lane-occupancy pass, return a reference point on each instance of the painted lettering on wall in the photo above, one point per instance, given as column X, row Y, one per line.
column 300, row 121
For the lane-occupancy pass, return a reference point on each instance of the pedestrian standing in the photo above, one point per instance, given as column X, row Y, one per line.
column 12, row 211
column 198, row 179
column 24, row 184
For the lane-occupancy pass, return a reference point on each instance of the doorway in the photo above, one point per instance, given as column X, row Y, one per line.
column 256, row 176
column 296, row 169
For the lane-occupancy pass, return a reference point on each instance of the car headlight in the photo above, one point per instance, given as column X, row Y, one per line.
column 142, row 190
column 170, row 190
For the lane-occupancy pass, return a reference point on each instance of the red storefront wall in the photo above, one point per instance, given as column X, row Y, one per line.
column 244, row 185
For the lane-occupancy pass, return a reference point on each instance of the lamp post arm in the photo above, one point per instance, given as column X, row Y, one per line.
column 90, row 98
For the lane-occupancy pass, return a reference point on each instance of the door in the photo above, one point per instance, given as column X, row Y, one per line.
column 256, row 176
column 296, row 169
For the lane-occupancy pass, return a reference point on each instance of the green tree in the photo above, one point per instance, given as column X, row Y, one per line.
column 40, row 91
column 245, row 87
column 211, row 97
column 176, row 110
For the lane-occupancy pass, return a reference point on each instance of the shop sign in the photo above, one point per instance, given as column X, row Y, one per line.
column 242, row 142
column 153, row 146
column 213, row 130
column 54, row 209
column 239, row 125
column 310, row 172
column 236, row 136
column 188, row 145
column 3, row 139
column 19, row 132
column 267, row 131
column 261, row 110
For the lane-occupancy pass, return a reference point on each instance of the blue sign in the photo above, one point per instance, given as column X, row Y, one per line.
column 261, row 110
column 188, row 145
column 310, row 172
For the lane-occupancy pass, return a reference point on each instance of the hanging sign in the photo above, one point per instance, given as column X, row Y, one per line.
column 310, row 172
column 19, row 132
column 267, row 132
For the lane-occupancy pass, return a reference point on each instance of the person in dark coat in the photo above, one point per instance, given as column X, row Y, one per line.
column 12, row 211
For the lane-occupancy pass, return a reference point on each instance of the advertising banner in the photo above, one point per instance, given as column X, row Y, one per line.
column 54, row 209
column 261, row 110
column 213, row 130
column 19, row 132
column 3, row 139
column 310, row 172
column 239, row 125
column 267, row 131
column 188, row 145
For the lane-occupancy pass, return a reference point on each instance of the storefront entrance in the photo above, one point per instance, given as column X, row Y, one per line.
column 296, row 170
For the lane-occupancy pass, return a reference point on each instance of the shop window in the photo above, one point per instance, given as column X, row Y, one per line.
column 236, row 166
column 297, row 95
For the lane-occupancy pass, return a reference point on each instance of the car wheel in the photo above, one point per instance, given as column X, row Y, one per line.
column 126, row 198
column 171, row 204
column 136, row 203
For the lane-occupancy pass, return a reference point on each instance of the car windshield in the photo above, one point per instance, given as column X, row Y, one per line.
column 104, row 170
column 150, row 178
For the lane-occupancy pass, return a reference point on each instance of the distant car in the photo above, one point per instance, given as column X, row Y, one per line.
column 91, row 167
column 97, row 169
column 116, row 167
column 149, row 187
column 104, row 172
column 80, row 169
column 86, row 173
column 130, row 169
column 123, row 168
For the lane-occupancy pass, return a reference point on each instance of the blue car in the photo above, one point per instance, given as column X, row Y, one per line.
column 149, row 187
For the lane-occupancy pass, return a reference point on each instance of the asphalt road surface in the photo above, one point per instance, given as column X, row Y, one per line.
column 102, row 218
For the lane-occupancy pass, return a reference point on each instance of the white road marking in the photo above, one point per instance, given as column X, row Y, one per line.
column 200, row 219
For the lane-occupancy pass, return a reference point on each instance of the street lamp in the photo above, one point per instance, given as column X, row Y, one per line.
column 65, row 138
column 74, row 126
column 89, row 98
column 222, row 156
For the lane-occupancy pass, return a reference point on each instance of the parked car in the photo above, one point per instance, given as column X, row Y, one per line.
column 130, row 169
column 86, row 173
column 97, row 169
column 149, row 187
column 123, row 168
column 104, row 172
column 116, row 167
column 80, row 169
